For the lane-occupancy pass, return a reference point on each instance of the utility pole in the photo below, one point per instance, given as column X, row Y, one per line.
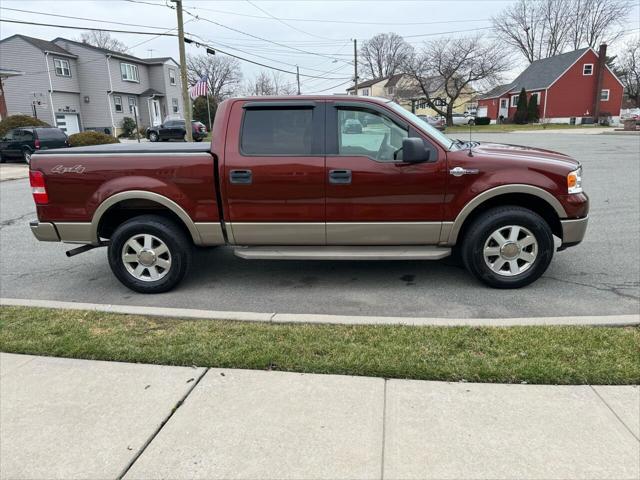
column 183, row 73
column 298, row 78
column 355, row 64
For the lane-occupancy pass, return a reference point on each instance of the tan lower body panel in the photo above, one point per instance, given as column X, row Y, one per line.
column 383, row 233
column 210, row 233
column 280, row 233
column 75, row 232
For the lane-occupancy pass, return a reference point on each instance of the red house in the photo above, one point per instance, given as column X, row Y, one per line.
column 566, row 87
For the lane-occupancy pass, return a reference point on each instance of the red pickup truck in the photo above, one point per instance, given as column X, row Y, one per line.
column 313, row 178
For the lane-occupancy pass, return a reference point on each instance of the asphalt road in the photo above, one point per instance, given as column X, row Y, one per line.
column 600, row 276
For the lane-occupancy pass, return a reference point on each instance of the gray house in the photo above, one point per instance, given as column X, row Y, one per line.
column 77, row 86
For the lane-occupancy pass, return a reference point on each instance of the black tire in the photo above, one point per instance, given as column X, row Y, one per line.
column 26, row 156
column 2, row 159
column 199, row 139
column 178, row 244
column 484, row 226
column 471, row 122
column 153, row 137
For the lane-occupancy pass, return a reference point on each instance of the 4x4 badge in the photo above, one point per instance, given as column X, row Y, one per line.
column 63, row 169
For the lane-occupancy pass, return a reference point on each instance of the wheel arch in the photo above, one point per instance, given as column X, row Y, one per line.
column 528, row 196
column 136, row 202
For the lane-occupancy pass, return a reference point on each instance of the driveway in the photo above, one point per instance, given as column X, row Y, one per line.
column 601, row 276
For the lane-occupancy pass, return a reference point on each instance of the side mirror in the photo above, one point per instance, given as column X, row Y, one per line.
column 414, row 151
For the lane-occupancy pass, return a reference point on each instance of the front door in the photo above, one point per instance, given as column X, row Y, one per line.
column 373, row 197
column 274, row 173
column 156, row 116
column 504, row 108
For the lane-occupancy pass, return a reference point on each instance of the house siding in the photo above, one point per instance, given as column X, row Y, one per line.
column 94, row 84
column 18, row 54
column 60, row 83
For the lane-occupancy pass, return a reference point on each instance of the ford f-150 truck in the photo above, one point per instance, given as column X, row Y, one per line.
column 291, row 178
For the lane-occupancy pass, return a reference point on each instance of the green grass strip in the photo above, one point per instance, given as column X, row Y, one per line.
column 542, row 355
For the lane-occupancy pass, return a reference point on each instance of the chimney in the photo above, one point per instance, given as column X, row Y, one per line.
column 602, row 58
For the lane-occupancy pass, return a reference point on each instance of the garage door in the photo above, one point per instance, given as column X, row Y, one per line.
column 482, row 112
column 68, row 123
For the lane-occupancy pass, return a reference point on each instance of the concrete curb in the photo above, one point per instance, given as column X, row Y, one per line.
column 595, row 320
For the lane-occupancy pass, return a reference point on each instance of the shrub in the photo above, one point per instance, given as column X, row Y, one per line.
column 533, row 115
column 483, row 120
column 128, row 127
column 15, row 121
column 90, row 138
column 521, row 111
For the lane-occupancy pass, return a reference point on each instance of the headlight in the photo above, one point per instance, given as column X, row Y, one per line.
column 574, row 181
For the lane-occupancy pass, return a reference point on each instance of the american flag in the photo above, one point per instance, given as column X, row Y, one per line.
column 199, row 89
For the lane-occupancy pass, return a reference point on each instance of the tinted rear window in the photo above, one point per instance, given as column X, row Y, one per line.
column 277, row 132
column 50, row 134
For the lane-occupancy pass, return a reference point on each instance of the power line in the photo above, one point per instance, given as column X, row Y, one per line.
column 285, row 23
column 330, row 88
column 24, row 22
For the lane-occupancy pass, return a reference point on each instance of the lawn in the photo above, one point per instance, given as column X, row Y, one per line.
column 544, row 355
column 512, row 127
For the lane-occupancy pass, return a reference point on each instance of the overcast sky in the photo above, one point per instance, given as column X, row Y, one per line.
column 329, row 45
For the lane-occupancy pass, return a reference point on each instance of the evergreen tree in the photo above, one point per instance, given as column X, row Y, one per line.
column 521, row 110
column 200, row 110
column 533, row 115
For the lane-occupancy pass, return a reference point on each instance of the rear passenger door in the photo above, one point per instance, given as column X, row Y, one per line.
column 274, row 173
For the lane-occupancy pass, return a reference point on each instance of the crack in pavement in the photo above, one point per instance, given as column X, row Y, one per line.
column 611, row 288
column 12, row 221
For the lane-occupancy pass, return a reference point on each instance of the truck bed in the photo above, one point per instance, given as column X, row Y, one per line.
column 143, row 147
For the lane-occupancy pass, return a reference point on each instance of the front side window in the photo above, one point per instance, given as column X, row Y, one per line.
column 129, row 72
column 132, row 104
column 117, row 102
column 62, row 67
column 587, row 69
column 281, row 131
column 174, row 105
column 172, row 76
column 369, row 134
column 604, row 95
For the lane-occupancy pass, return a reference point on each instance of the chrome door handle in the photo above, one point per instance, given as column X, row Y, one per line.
column 340, row 177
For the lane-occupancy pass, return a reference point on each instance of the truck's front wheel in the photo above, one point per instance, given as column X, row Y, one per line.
column 508, row 247
column 149, row 254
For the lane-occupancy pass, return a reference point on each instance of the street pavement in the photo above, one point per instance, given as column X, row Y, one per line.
column 599, row 277
column 68, row 419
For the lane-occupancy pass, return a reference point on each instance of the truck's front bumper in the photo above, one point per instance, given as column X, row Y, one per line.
column 573, row 231
column 44, row 231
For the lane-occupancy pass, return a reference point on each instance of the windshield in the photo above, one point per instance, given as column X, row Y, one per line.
column 437, row 135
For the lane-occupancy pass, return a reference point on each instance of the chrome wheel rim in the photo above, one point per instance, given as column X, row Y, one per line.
column 510, row 250
column 146, row 257
column 27, row 157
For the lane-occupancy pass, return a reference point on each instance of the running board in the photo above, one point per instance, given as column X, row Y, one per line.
column 417, row 252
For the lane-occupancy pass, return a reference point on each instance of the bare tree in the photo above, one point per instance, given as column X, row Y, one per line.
column 383, row 55
column 269, row 83
column 596, row 21
column 224, row 75
column 543, row 28
column 103, row 40
column 629, row 67
column 453, row 67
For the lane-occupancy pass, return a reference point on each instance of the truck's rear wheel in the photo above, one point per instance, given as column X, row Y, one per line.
column 149, row 254
column 508, row 247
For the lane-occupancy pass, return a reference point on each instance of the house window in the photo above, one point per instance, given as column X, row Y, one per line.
column 129, row 72
column 132, row 103
column 174, row 105
column 537, row 95
column 62, row 67
column 365, row 91
column 514, row 100
column 172, row 76
column 587, row 69
column 117, row 102
column 604, row 95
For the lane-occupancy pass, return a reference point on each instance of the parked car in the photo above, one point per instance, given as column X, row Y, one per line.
column 463, row 119
column 351, row 125
column 281, row 181
column 174, row 129
column 22, row 142
column 435, row 122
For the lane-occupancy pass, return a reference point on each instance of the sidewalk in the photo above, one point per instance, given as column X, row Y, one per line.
column 63, row 418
